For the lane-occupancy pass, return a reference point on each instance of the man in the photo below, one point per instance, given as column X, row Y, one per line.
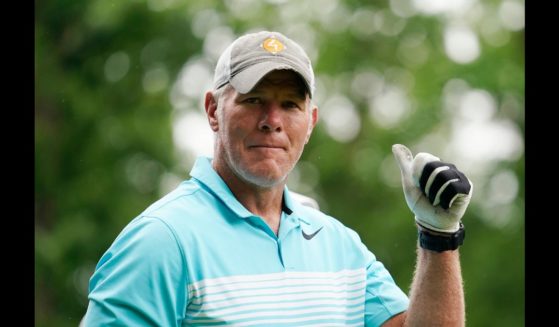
column 231, row 247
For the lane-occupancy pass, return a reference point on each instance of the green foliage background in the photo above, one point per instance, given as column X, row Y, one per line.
column 104, row 147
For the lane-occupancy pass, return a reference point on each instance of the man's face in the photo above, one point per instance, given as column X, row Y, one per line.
column 261, row 134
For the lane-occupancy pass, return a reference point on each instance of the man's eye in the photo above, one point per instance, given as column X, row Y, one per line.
column 290, row 105
column 253, row 100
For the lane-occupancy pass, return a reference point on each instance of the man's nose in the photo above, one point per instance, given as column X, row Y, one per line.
column 271, row 119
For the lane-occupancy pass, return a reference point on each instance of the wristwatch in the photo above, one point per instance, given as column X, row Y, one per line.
column 436, row 241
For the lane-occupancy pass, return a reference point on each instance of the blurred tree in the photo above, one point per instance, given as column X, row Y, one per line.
column 113, row 78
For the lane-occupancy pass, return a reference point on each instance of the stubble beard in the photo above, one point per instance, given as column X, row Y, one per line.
column 247, row 175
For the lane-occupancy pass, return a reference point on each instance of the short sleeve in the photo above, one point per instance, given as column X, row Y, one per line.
column 141, row 279
column 383, row 298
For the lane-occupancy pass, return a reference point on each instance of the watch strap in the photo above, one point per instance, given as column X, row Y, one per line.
column 439, row 242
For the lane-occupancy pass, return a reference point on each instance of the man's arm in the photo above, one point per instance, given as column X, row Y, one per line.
column 436, row 296
column 438, row 194
column 141, row 280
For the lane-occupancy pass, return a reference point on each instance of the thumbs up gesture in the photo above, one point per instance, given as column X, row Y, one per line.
column 436, row 192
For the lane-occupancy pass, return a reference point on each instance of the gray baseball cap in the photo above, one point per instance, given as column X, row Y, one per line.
column 252, row 56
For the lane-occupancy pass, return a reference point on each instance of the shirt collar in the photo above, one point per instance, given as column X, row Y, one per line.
column 208, row 177
column 292, row 207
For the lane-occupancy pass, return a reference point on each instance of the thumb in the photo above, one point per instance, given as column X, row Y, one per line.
column 404, row 158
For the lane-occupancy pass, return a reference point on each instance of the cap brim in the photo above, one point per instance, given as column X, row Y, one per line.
column 247, row 79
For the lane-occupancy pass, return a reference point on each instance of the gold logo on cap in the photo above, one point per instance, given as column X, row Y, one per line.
column 273, row 45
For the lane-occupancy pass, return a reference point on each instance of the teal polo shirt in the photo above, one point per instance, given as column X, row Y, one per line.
column 198, row 257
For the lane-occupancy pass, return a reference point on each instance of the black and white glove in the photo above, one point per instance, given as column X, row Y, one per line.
column 436, row 192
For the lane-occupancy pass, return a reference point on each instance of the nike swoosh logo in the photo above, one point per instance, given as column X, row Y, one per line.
column 309, row 236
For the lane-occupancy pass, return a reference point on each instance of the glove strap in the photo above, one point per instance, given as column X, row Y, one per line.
column 439, row 242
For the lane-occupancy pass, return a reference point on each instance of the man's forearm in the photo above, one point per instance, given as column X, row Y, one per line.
column 437, row 295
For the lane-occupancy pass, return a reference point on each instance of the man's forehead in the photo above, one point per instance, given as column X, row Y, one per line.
column 286, row 78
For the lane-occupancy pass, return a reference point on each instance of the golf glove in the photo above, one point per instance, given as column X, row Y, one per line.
column 436, row 192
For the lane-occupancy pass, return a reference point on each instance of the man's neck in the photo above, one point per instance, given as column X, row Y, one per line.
column 265, row 202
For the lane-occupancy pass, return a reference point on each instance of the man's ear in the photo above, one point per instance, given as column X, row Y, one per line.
column 314, row 119
column 210, row 103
